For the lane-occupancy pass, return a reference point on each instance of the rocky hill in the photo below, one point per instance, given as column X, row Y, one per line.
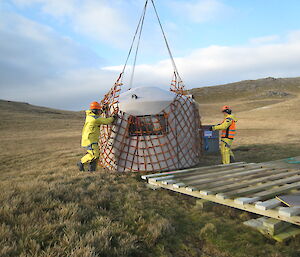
column 266, row 88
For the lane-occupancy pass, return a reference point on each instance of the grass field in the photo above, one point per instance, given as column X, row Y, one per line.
column 48, row 208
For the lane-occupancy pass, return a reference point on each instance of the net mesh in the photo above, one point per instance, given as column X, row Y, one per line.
column 164, row 141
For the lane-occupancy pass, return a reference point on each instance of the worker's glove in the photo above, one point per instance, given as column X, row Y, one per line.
column 105, row 109
column 115, row 116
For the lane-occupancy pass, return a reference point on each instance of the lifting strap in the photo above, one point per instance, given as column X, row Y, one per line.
column 137, row 36
column 138, row 44
column 166, row 41
column 137, row 31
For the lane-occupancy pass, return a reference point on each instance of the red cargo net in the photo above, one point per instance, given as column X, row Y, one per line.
column 168, row 140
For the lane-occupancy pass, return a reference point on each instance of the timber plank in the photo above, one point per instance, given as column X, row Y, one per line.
column 278, row 190
column 188, row 174
column 220, row 174
column 269, row 204
column 248, row 182
column 289, row 211
column 246, row 200
column 206, row 175
column 230, row 179
column 192, row 169
column 167, row 182
column 291, row 232
column 178, row 185
column 275, row 226
column 262, row 187
column 200, row 173
column 212, row 179
column 227, row 178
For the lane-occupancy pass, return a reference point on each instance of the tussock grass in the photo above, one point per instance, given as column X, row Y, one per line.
column 48, row 208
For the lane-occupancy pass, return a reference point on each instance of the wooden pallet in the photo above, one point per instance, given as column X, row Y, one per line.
column 246, row 186
column 274, row 228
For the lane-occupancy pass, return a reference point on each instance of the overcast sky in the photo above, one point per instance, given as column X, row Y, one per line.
column 67, row 53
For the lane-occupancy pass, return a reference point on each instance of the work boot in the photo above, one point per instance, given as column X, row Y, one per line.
column 93, row 165
column 80, row 166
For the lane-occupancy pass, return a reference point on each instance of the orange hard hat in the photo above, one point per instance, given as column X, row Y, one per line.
column 95, row 106
column 226, row 107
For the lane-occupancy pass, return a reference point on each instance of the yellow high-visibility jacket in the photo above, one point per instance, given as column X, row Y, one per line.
column 227, row 123
column 91, row 128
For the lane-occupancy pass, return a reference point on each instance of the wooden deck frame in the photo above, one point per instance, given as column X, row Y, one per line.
column 249, row 187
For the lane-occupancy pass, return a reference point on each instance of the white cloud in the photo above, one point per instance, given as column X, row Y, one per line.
column 102, row 22
column 265, row 39
column 74, row 89
column 221, row 64
column 54, row 7
column 36, row 61
column 98, row 19
column 23, row 40
column 201, row 11
column 294, row 36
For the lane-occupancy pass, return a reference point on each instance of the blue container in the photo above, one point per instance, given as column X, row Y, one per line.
column 210, row 140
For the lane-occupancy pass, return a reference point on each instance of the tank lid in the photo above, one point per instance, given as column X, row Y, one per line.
column 145, row 100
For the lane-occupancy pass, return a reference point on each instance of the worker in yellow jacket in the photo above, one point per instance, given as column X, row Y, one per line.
column 90, row 136
column 228, row 127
